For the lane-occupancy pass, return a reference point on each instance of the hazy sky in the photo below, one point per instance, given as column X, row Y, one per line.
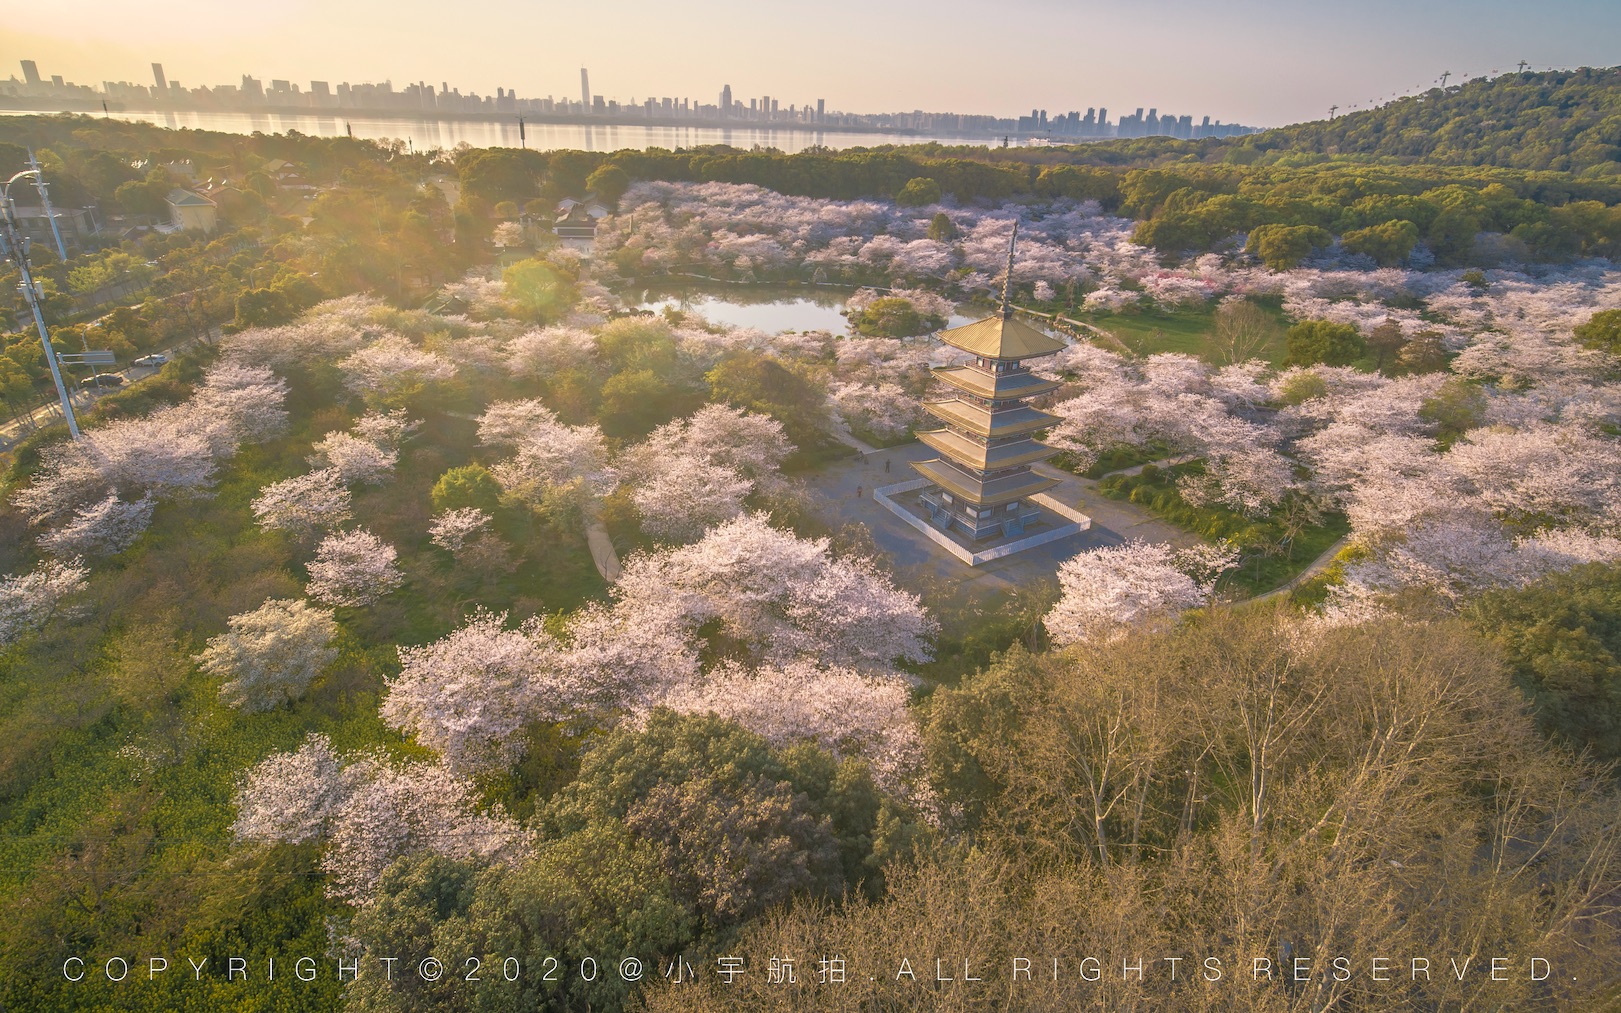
column 1260, row 62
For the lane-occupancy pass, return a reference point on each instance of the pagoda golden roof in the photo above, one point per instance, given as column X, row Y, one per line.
column 981, row 456
column 984, row 423
column 994, row 386
column 1002, row 337
column 983, row 492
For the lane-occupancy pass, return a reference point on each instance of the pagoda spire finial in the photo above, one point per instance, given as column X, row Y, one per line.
column 1007, row 281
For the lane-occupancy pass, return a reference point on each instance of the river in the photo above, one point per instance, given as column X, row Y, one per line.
column 770, row 308
column 425, row 134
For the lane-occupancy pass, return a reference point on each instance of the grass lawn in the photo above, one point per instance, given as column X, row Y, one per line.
column 1153, row 331
column 1113, row 460
column 1269, row 562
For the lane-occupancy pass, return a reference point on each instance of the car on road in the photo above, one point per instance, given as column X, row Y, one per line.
column 107, row 380
column 154, row 360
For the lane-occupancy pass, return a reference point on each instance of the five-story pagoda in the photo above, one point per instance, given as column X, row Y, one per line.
column 982, row 481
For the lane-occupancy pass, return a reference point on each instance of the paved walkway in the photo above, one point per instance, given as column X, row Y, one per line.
column 922, row 565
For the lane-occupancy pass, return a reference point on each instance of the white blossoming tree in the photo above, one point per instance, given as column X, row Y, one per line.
column 270, row 655
column 776, row 597
column 366, row 812
column 391, row 371
column 468, row 694
column 100, row 529
column 353, row 568
column 30, row 600
column 304, row 505
column 1141, row 585
column 357, row 461
column 455, row 530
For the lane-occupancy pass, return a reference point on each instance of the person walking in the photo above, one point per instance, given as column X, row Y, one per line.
column 858, row 492
column 886, row 467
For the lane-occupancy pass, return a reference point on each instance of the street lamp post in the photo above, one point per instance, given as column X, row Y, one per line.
column 16, row 247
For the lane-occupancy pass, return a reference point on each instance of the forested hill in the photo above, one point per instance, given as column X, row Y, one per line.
column 1567, row 120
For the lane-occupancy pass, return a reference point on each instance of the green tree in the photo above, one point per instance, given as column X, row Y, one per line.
column 891, row 317
column 635, row 401
column 470, row 485
column 760, row 383
column 263, row 307
column 1562, row 639
column 942, row 229
column 919, row 192
column 1282, row 247
column 609, row 182
column 1602, row 331
column 1425, row 352
column 1385, row 341
column 1388, row 243
column 1323, row 341
column 537, row 290
column 1457, row 407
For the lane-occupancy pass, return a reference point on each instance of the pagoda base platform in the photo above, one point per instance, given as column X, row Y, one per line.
column 1048, row 522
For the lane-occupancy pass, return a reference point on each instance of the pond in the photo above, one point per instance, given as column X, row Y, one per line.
column 772, row 309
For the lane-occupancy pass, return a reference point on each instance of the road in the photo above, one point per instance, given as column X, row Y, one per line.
column 15, row 430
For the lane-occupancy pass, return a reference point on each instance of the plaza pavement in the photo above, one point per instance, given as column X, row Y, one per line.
column 919, row 562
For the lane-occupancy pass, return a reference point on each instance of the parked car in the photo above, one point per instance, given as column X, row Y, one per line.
column 107, row 380
column 154, row 360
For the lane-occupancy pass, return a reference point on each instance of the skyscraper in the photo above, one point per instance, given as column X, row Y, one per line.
column 726, row 100
column 158, row 78
column 585, row 89
column 30, row 72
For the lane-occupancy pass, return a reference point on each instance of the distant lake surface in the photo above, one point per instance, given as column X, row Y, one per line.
column 768, row 308
column 428, row 133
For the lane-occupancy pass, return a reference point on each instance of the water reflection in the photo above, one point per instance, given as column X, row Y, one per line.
column 427, row 133
column 769, row 308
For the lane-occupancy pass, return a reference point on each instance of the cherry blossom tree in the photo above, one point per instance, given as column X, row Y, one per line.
column 251, row 398
column 454, row 530
column 1135, row 585
column 270, row 655
column 357, row 461
column 352, row 569
column 385, row 430
column 886, row 410
column 30, row 600
column 550, row 455
column 846, row 712
column 391, row 370
column 303, row 505
column 776, row 598
column 368, row 811
column 100, row 529
column 685, row 496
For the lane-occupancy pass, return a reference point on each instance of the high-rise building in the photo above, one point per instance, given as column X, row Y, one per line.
column 31, row 72
column 726, row 100
column 821, row 109
column 585, row 88
column 158, row 78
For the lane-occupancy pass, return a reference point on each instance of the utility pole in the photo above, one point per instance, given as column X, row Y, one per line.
column 16, row 248
column 45, row 201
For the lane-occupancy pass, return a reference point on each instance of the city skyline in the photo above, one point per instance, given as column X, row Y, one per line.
column 42, row 89
column 1252, row 62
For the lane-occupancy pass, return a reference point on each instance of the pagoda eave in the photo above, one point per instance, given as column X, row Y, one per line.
column 982, row 457
column 984, row 423
column 993, row 387
column 979, row 492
